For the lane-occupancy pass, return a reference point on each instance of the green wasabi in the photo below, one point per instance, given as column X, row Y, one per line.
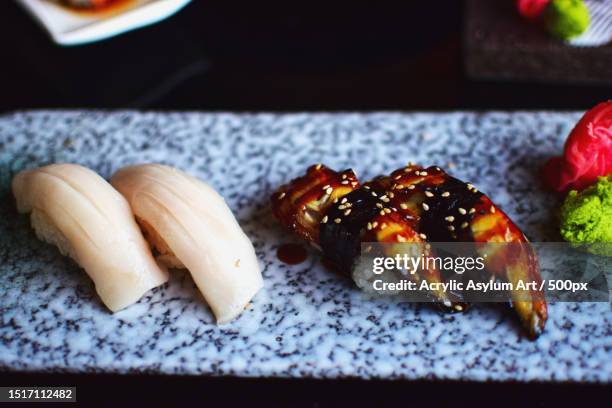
column 566, row 19
column 586, row 217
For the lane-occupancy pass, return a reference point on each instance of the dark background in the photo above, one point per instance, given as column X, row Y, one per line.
column 279, row 56
column 177, row 391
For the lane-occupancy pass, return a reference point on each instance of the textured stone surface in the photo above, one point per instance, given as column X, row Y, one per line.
column 306, row 322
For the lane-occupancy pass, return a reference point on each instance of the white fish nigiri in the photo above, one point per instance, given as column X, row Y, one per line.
column 191, row 227
column 75, row 209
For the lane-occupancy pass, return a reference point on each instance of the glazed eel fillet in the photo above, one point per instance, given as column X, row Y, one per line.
column 336, row 213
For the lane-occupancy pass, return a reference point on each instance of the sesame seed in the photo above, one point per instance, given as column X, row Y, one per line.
column 393, row 209
column 369, row 227
column 329, row 190
column 445, row 194
column 337, row 220
column 382, row 212
column 347, row 212
column 451, row 228
column 425, row 207
column 429, row 194
column 462, row 211
column 403, row 206
column 438, row 169
column 375, row 224
column 407, row 170
column 391, row 195
column 336, row 201
column 341, row 207
column 344, row 182
column 465, row 225
column 423, row 173
column 318, row 166
column 348, row 205
column 344, row 200
column 450, row 218
column 423, row 236
column 353, row 183
column 418, row 173
column 385, row 199
column 343, row 176
column 374, row 194
column 474, row 190
column 401, row 238
column 410, row 164
column 387, row 210
column 469, row 186
column 325, row 187
column 472, row 210
column 324, row 220
column 383, row 225
column 379, row 205
column 399, row 176
column 492, row 209
column 399, row 187
column 366, row 187
column 281, row 196
column 411, row 187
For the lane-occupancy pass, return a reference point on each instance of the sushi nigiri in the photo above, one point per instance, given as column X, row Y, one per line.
column 320, row 199
column 78, row 211
column 416, row 205
column 190, row 226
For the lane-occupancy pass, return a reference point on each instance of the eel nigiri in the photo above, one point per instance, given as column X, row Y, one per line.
column 190, row 226
column 313, row 206
column 416, row 205
column 75, row 209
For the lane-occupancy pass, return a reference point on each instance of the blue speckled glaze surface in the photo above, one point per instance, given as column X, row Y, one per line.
column 306, row 322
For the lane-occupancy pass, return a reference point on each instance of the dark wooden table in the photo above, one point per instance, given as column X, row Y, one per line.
column 277, row 56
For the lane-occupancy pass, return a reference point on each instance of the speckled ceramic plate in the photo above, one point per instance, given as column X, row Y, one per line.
column 306, row 322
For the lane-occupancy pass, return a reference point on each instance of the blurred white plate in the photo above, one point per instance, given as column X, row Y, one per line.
column 68, row 27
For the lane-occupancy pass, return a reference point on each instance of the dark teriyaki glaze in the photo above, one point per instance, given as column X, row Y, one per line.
column 434, row 224
column 340, row 236
column 291, row 254
column 341, row 233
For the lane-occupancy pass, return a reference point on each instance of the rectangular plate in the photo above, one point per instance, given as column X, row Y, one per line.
column 306, row 322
